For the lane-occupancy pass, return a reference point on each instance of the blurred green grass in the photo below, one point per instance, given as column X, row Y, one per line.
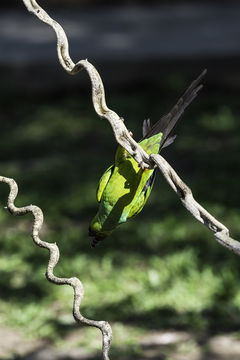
column 160, row 270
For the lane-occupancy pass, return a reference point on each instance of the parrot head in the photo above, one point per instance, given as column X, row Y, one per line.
column 96, row 232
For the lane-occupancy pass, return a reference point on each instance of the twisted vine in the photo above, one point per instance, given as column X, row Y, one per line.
column 124, row 138
column 53, row 260
column 221, row 232
column 98, row 94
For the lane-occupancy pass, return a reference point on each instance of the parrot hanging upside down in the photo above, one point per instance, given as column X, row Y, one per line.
column 125, row 187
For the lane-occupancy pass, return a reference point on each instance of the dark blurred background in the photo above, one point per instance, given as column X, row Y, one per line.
column 169, row 290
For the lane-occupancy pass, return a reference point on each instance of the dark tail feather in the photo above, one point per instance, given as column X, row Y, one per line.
column 167, row 122
column 146, row 127
column 169, row 141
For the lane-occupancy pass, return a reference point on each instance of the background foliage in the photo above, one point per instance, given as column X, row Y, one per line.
column 162, row 269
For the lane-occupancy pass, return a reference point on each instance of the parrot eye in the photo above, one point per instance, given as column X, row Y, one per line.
column 127, row 185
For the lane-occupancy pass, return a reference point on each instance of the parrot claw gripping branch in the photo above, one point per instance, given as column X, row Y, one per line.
column 145, row 160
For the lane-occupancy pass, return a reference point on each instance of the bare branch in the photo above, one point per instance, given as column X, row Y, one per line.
column 122, row 136
column 98, row 94
column 53, row 260
column 220, row 231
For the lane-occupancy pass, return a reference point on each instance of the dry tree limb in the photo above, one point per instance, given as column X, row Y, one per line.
column 53, row 260
column 221, row 233
column 122, row 135
column 98, row 94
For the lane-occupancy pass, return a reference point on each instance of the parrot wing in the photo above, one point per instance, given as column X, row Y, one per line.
column 103, row 182
column 142, row 197
column 168, row 121
column 164, row 126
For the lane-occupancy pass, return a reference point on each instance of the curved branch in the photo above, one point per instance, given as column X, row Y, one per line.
column 221, row 233
column 123, row 137
column 53, row 260
column 98, row 94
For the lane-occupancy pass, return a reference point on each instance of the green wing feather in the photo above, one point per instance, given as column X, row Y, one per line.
column 103, row 182
column 142, row 197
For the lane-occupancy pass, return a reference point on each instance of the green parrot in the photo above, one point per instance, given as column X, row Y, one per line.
column 125, row 187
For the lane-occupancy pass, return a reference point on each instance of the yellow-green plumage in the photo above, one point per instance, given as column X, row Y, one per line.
column 124, row 187
column 120, row 192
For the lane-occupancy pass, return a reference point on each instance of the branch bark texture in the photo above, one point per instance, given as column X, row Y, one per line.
column 98, row 94
column 74, row 282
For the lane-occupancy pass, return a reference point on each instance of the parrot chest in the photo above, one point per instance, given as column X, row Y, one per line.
column 121, row 192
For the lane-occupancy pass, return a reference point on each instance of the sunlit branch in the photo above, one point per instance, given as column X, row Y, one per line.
column 122, row 135
column 53, row 260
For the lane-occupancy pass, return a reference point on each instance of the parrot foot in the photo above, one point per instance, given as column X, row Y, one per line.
column 142, row 166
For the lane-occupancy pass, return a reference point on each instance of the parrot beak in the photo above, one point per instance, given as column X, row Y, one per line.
column 94, row 242
column 96, row 236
